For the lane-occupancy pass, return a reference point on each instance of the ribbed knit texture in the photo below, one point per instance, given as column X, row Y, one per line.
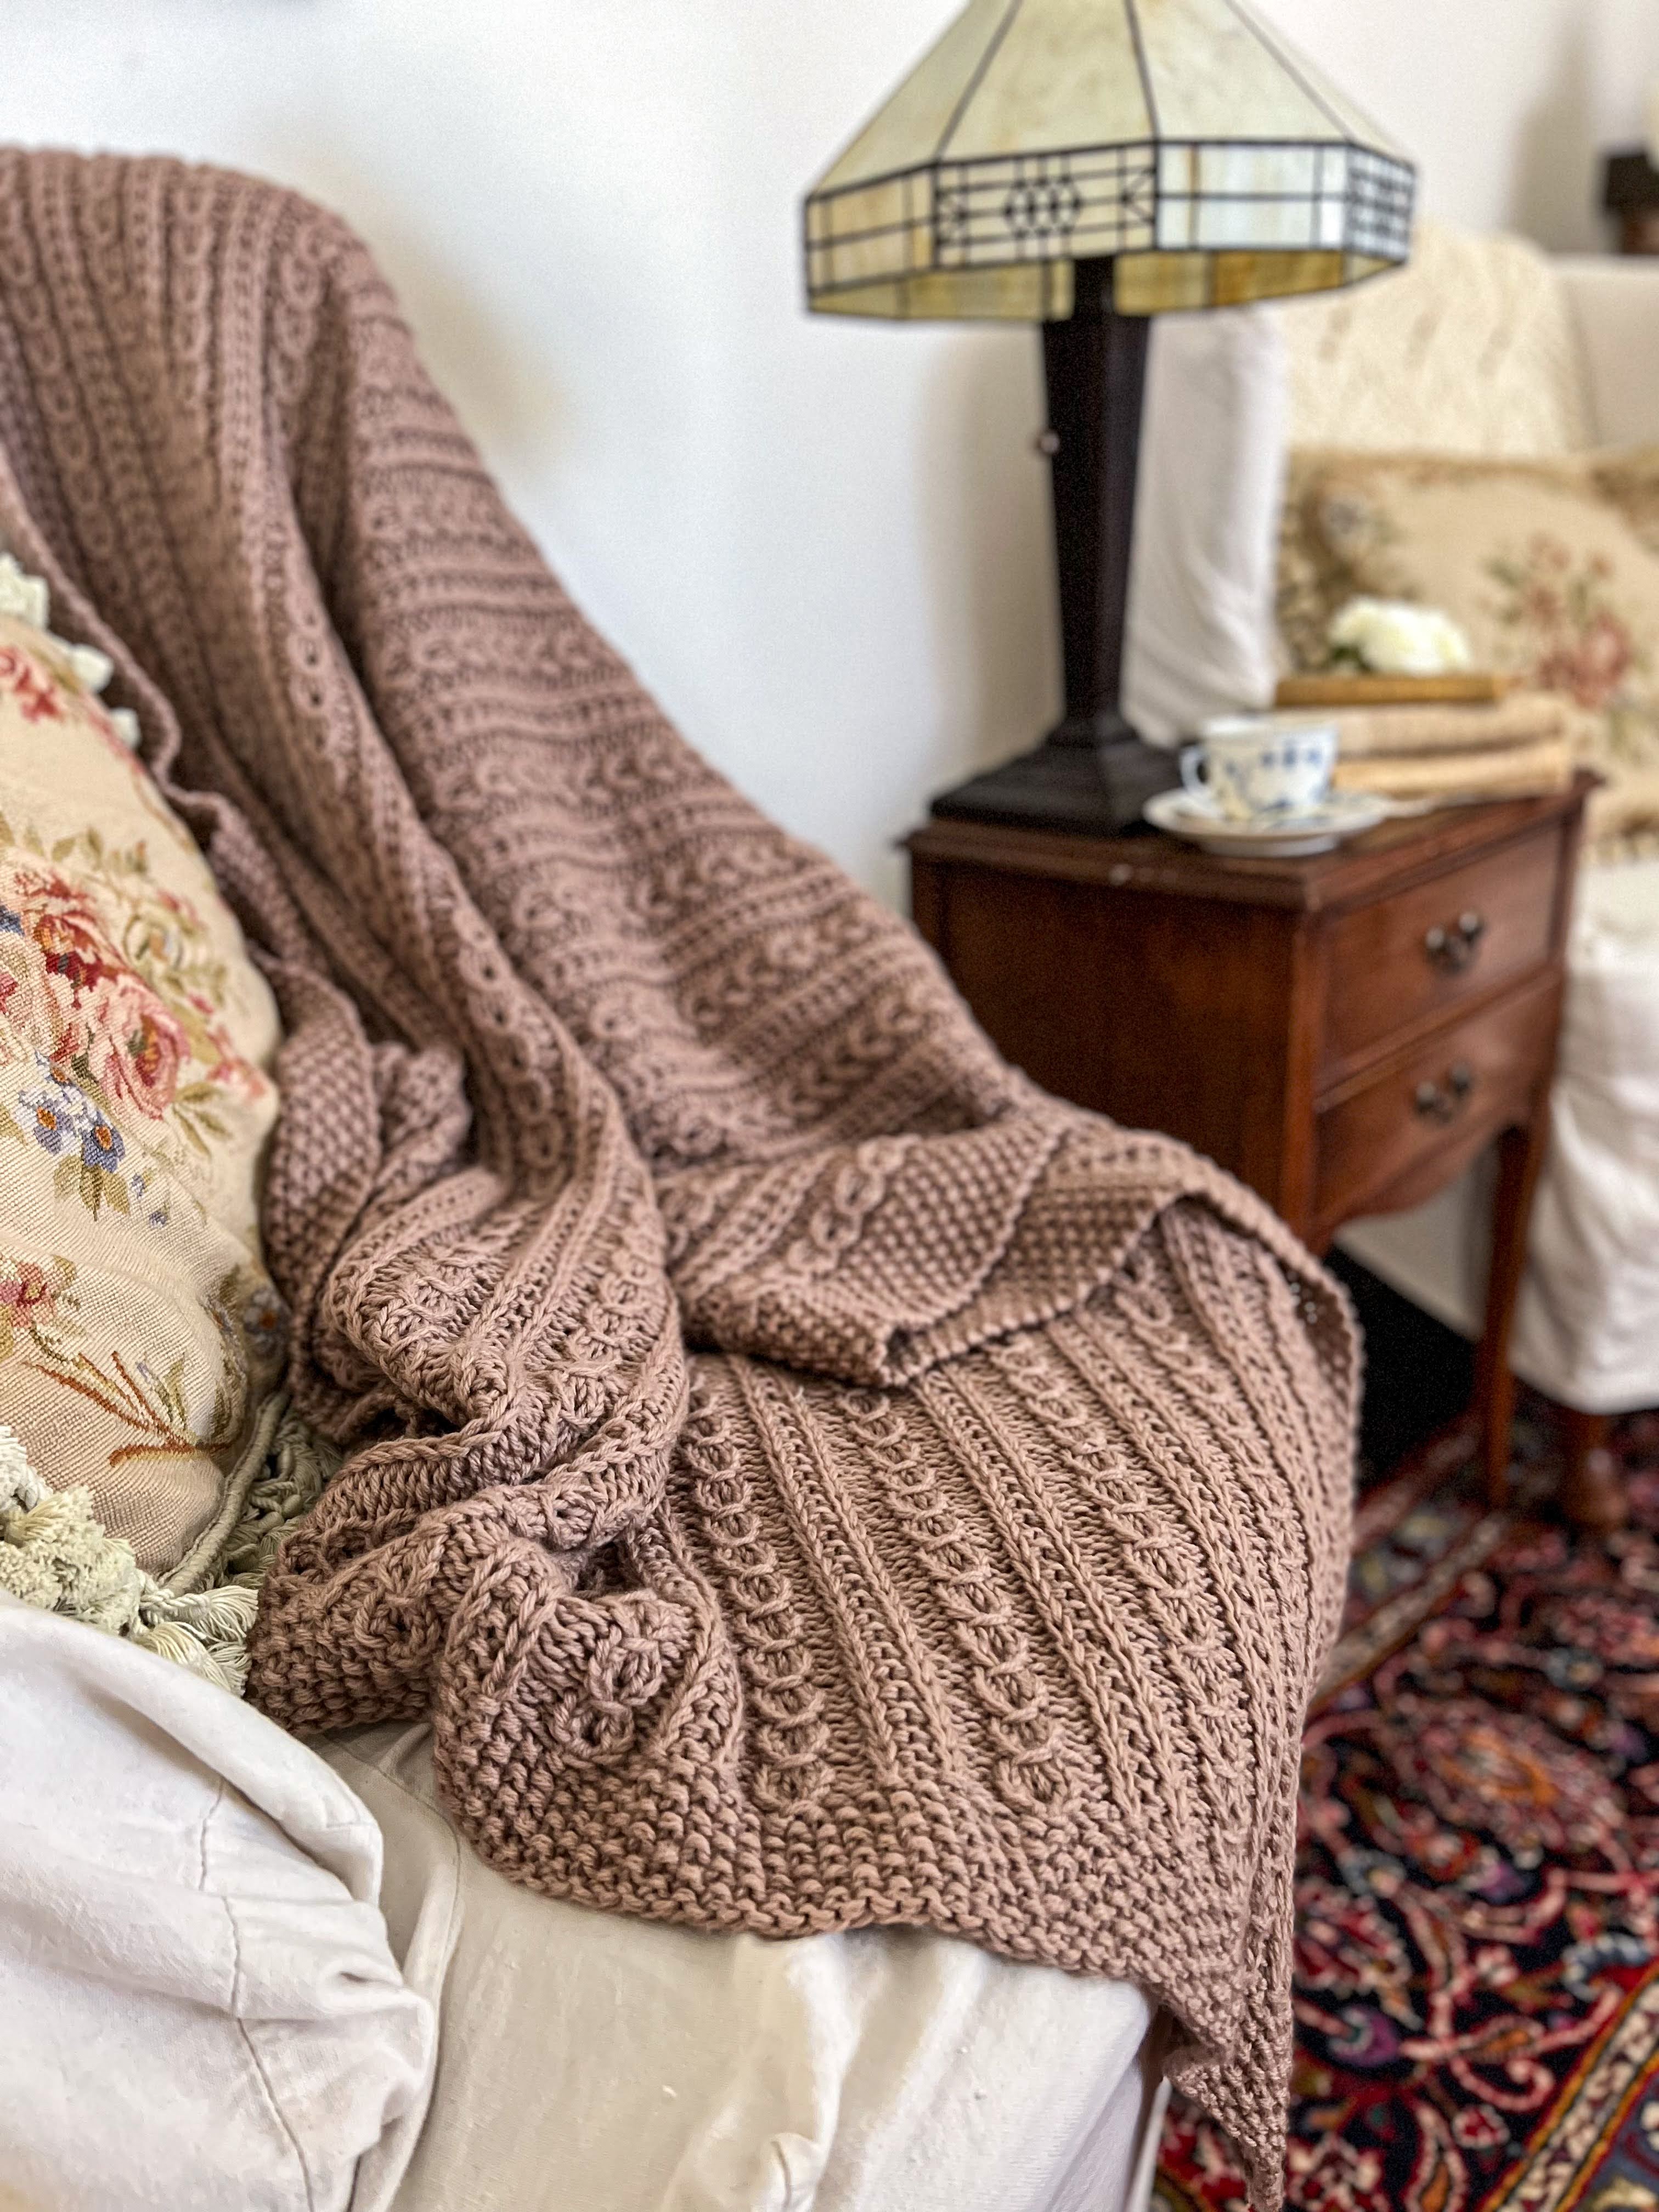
column 973, row 1565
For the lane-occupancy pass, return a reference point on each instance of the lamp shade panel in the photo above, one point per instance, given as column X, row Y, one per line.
column 1182, row 139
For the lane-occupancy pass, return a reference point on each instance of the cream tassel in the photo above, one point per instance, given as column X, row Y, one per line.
column 55, row 1553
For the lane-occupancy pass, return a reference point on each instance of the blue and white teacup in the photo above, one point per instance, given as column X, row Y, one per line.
column 1260, row 768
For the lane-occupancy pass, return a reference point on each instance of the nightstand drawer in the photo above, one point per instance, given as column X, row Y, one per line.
column 1418, row 954
column 1390, row 1136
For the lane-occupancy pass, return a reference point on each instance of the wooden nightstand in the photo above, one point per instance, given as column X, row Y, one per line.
column 1344, row 1033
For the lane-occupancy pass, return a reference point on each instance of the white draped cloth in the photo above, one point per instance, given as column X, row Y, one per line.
column 205, row 2008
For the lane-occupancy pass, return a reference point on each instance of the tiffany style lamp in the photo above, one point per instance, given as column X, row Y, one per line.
column 1086, row 165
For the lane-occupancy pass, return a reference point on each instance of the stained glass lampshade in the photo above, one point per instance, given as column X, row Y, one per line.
column 1181, row 138
column 1087, row 164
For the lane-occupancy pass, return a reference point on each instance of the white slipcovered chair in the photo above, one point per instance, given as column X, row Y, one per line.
column 1488, row 346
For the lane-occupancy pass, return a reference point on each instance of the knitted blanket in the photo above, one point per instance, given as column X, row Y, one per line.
column 809, row 1477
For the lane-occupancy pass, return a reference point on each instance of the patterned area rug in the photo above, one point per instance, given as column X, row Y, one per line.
column 1477, row 1974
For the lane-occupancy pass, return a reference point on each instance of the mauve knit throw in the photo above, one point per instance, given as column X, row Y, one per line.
column 809, row 1477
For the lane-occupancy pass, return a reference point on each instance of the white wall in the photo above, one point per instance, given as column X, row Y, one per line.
column 824, row 545
column 1507, row 104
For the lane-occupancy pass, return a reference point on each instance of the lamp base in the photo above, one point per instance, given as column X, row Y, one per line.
column 1091, row 778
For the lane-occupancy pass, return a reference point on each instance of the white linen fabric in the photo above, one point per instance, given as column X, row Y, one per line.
column 591, row 2064
column 1200, row 638
column 203, row 2011
column 1587, row 1322
column 201, row 2008
column 1615, row 304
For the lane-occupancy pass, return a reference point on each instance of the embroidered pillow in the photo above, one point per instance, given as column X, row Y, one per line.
column 139, row 1334
column 1552, row 567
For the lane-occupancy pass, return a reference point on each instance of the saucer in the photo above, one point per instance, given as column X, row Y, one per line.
column 1340, row 814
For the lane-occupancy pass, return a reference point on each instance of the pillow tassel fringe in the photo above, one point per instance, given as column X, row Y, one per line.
column 55, row 1553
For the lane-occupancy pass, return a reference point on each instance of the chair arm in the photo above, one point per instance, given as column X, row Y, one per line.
column 1615, row 308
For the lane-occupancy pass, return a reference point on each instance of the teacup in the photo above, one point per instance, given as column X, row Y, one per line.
column 1260, row 768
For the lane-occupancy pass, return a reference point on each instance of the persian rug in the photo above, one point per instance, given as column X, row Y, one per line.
column 1477, row 1956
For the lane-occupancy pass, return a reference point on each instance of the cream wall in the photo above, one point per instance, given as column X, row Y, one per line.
column 824, row 545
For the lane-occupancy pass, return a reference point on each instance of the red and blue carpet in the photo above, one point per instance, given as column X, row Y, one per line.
column 1477, row 1969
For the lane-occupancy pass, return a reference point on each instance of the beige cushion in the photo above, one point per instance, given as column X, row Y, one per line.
column 138, row 1328
column 1471, row 349
column 1201, row 630
column 1550, row 566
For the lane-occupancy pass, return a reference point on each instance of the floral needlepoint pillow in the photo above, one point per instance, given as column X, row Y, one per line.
column 139, row 1333
column 1550, row 568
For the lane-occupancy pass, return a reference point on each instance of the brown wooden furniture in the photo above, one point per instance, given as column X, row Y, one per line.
column 1344, row 1033
column 1630, row 193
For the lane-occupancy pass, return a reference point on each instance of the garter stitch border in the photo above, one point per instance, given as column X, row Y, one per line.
column 810, row 1478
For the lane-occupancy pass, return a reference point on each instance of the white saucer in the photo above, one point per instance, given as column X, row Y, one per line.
column 1342, row 814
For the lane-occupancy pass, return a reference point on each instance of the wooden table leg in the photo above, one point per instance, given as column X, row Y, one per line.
column 1592, row 1490
column 1520, row 1157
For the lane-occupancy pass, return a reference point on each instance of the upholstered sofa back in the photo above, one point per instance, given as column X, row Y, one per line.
column 1470, row 348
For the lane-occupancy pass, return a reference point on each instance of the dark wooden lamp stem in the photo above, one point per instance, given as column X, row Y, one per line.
column 1092, row 772
column 1095, row 369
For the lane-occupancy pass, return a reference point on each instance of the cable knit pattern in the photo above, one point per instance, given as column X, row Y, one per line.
column 810, row 1478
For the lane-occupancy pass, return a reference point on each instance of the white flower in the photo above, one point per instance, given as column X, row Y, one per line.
column 93, row 669
column 21, row 594
column 1392, row 637
column 27, row 598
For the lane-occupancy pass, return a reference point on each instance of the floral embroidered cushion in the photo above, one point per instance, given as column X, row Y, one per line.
column 139, row 1333
column 1550, row 568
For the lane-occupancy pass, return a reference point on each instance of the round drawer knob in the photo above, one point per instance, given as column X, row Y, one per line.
column 1452, row 946
column 1444, row 1102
